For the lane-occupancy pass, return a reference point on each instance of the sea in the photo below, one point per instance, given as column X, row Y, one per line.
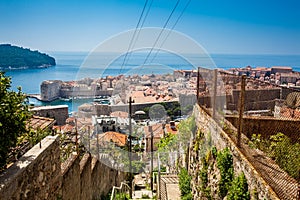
column 78, row 65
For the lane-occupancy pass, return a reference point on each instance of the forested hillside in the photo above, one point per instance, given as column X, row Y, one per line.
column 13, row 57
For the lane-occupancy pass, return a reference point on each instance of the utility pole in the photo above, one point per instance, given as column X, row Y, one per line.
column 151, row 162
column 158, row 181
column 241, row 110
column 215, row 94
column 76, row 136
column 98, row 153
column 89, row 138
column 198, row 84
column 130, row 145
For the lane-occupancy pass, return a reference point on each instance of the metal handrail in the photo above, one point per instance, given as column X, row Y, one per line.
column 118, row 188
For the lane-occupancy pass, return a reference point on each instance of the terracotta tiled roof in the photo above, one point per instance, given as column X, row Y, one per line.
column 37, row 122
column 65, row 128
column 157, row 129
column 118, row 138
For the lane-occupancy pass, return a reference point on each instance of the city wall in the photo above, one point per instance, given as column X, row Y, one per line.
column 39, row 174
column 254, row 100
column 221, row 140
column 84, row 93
column 136, row 106
column 263, row 99
column 87, row 178
column 36, row 175
column 267, row 126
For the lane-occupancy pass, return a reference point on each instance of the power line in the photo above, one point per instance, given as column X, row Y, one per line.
column 143, row 22
column 170, row 31
column 166, row 23
column 138, row 34
column 130, row 44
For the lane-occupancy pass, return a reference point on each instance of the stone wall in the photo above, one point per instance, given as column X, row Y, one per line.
column 50, row 90
column 221, row 140
column 39, row 174
column 137, row 106
column 36, row 175
column 69, row 93
column 70, row 188
column 285, row 91
column 87, row 178
column 263, row 99
column 59, row 113
column 267, row 126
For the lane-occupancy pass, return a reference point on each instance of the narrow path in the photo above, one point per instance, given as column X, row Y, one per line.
column 169, row 187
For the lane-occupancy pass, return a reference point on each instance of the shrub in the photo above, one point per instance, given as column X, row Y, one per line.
column 225, row 164
column 239, row 189
column 185, row 184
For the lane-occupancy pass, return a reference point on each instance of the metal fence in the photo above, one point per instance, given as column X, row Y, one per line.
column 269, row 116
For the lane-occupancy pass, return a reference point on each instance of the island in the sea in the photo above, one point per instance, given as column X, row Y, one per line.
column 14, row 57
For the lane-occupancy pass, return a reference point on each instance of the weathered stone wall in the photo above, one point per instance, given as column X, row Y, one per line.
column 39, row 174
column 87, row 178
column 69, row 93
column 70, row 188
column 50, row 90
column 36, row 175
column 262, row 99
column 59, row 113
column 254, row 99
column 221, row 140
column 137, row 106
column 285, row 91
column 267, row 126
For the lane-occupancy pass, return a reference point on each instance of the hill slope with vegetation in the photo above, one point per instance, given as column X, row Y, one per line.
column 13, row 57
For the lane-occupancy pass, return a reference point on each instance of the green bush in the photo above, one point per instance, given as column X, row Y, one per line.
column 239, row 189
column 225, row 164
column 122, row 196
column 185, row 184
column 282, row 150
column 188, row 196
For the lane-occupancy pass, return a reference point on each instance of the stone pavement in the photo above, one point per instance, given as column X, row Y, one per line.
column 169, row 187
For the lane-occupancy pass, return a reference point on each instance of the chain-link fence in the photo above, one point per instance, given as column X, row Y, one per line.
column 266, row 119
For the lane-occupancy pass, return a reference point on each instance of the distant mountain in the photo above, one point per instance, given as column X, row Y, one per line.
column 13, row 57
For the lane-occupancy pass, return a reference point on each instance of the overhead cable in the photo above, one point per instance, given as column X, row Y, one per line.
column 130, row 44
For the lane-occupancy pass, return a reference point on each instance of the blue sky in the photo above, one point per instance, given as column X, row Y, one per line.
column 232, row 26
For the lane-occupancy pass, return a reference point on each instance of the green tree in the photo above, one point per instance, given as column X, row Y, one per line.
column 13, row 116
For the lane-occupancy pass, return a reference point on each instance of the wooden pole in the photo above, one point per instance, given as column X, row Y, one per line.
column 130, row 144
column 215, row 94
column 76, row 136
column 241, row 110
column 89, row 138
column 198, row 85
column 151, row 162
